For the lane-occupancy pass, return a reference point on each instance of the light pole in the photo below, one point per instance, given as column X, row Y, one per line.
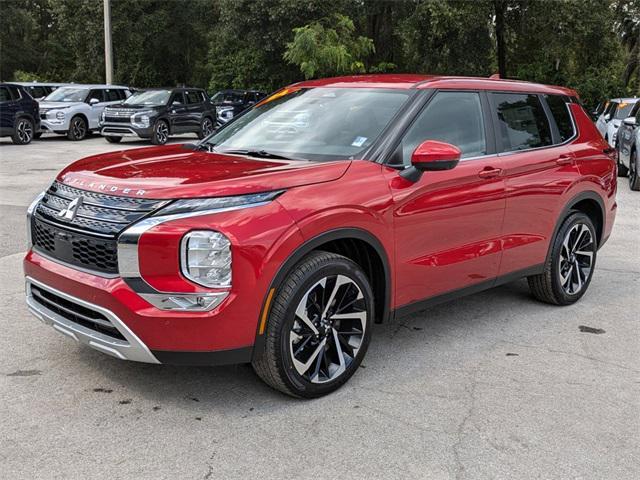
column 108, row 54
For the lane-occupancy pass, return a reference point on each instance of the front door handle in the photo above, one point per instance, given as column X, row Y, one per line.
column 564, row 160
column 489, row 172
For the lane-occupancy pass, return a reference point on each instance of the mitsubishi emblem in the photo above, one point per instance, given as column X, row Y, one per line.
column 70, row 212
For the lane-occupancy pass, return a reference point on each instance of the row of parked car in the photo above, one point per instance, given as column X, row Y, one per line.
column 28, row 110
column 618, row 121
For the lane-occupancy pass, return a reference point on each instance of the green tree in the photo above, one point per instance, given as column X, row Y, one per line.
column 320, row 50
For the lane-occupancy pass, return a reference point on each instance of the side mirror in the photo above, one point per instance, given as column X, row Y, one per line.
column 431, row 155
column 630, row 121
column 607, row 117
column 93, row 101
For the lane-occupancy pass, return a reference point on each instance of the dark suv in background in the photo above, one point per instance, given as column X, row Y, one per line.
column 157, row 113
column 19, row 118
column 229, row 103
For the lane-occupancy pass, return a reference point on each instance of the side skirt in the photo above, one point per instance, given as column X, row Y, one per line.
column 478, row 287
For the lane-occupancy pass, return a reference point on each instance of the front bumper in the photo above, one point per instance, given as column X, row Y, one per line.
column 112, row 129
column 65, row 312
column 54, row 127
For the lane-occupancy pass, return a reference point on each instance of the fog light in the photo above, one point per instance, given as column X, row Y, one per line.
column 206, row 258
column 60, row 116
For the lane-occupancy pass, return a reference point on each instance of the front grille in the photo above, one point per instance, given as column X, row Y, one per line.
column 89, row 238
column 76, row 313
column 119, row 112
column 111, row 119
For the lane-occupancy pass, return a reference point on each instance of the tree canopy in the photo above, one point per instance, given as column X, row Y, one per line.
column 590, row 45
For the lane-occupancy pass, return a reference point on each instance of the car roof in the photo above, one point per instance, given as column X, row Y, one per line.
column 42, row 84
column 624, row 100
column 418, row 81
column 96, row 85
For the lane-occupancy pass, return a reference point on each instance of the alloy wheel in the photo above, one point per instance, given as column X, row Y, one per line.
column 207, row 127
column 328, row 329
column 79, row 129
column 576, row 258
column 162, row 132
column 25, row 131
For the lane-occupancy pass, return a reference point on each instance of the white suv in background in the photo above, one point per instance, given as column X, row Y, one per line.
column 610, row 120
column 75, row 110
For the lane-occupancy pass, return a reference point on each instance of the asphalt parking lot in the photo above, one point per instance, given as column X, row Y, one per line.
column 494, row 385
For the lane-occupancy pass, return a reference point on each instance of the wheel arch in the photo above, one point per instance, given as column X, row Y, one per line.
column 83, row 116
column 591, row 204
column 358, row 245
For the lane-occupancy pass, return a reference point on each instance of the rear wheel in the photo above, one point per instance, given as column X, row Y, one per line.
column 634, row 180
column 160, row 133
column 77, row 129
column 111, row 139
column 23, row 131
column 206, row 128
column 318, row 328
column 569, row 269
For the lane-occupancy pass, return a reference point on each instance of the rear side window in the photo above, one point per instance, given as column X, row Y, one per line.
column 5, row 96
column 562, row 116
column 112, row 96
column 15, row 92
column 452, row 117
column 522, row 121
column 193, row 97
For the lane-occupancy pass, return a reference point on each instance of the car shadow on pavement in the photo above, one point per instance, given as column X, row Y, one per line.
column 237, row 387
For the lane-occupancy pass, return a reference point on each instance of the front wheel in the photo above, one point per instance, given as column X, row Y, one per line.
column 206, row 128
column 22, row 132
column 568, row 271
column 634, row 180
column 77, row 129
column 318, row 328
column 160, row 133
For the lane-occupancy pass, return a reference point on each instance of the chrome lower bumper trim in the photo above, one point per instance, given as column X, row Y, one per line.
column 130, row 349
column 109, row 131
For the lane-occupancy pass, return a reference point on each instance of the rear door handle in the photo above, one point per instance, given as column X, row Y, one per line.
column 489, row 172
column 564, row 160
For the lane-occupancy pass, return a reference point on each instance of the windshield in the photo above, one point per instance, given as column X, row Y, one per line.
column 314, row 124
column 68, row 94
column 623, row 110
column 149, row 97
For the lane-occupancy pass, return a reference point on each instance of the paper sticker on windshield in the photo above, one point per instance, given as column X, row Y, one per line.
column 359, row 141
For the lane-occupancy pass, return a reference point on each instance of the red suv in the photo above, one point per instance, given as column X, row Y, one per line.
column 330, row 206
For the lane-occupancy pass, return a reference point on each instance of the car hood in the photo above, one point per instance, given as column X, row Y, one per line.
column 179, row 171
column 59, row 104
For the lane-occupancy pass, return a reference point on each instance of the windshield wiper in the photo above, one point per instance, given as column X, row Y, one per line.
column 256, row 153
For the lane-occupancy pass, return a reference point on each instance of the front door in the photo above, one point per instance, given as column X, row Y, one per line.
column 178, row 113
column 448, row 223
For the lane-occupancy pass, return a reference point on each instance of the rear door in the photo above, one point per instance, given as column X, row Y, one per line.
column 448, row 223
column 8, row 109
column 532, row 132
column 178, row 113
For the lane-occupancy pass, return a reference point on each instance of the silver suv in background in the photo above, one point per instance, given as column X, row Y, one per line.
column 610, row 120
column 75, row 110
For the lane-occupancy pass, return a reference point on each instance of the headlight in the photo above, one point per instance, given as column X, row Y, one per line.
column 219, row 203
column 142, row 119
column 60, row 116
column 30, row 212
column 205, row 258
column 102, row 116
column 224, row 114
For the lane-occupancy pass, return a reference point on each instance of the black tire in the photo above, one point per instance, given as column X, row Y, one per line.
column 622, row 170
column 548, row 286
column 111, row 139
column 634, row 179
column 275, row 364
column 206, row 128
column 78, row 128
column 160, row 134
column 23, row 131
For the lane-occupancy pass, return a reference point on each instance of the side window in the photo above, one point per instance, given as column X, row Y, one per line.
column 562, row 115
column 5, row 96
column 177, row 99
column 111, row 96
column 522, row 121
column 193, row 97
column 452, row 117
column 15, row 93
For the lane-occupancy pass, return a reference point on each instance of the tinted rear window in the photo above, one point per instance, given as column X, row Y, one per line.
column 562, row 116
column 522, row 121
